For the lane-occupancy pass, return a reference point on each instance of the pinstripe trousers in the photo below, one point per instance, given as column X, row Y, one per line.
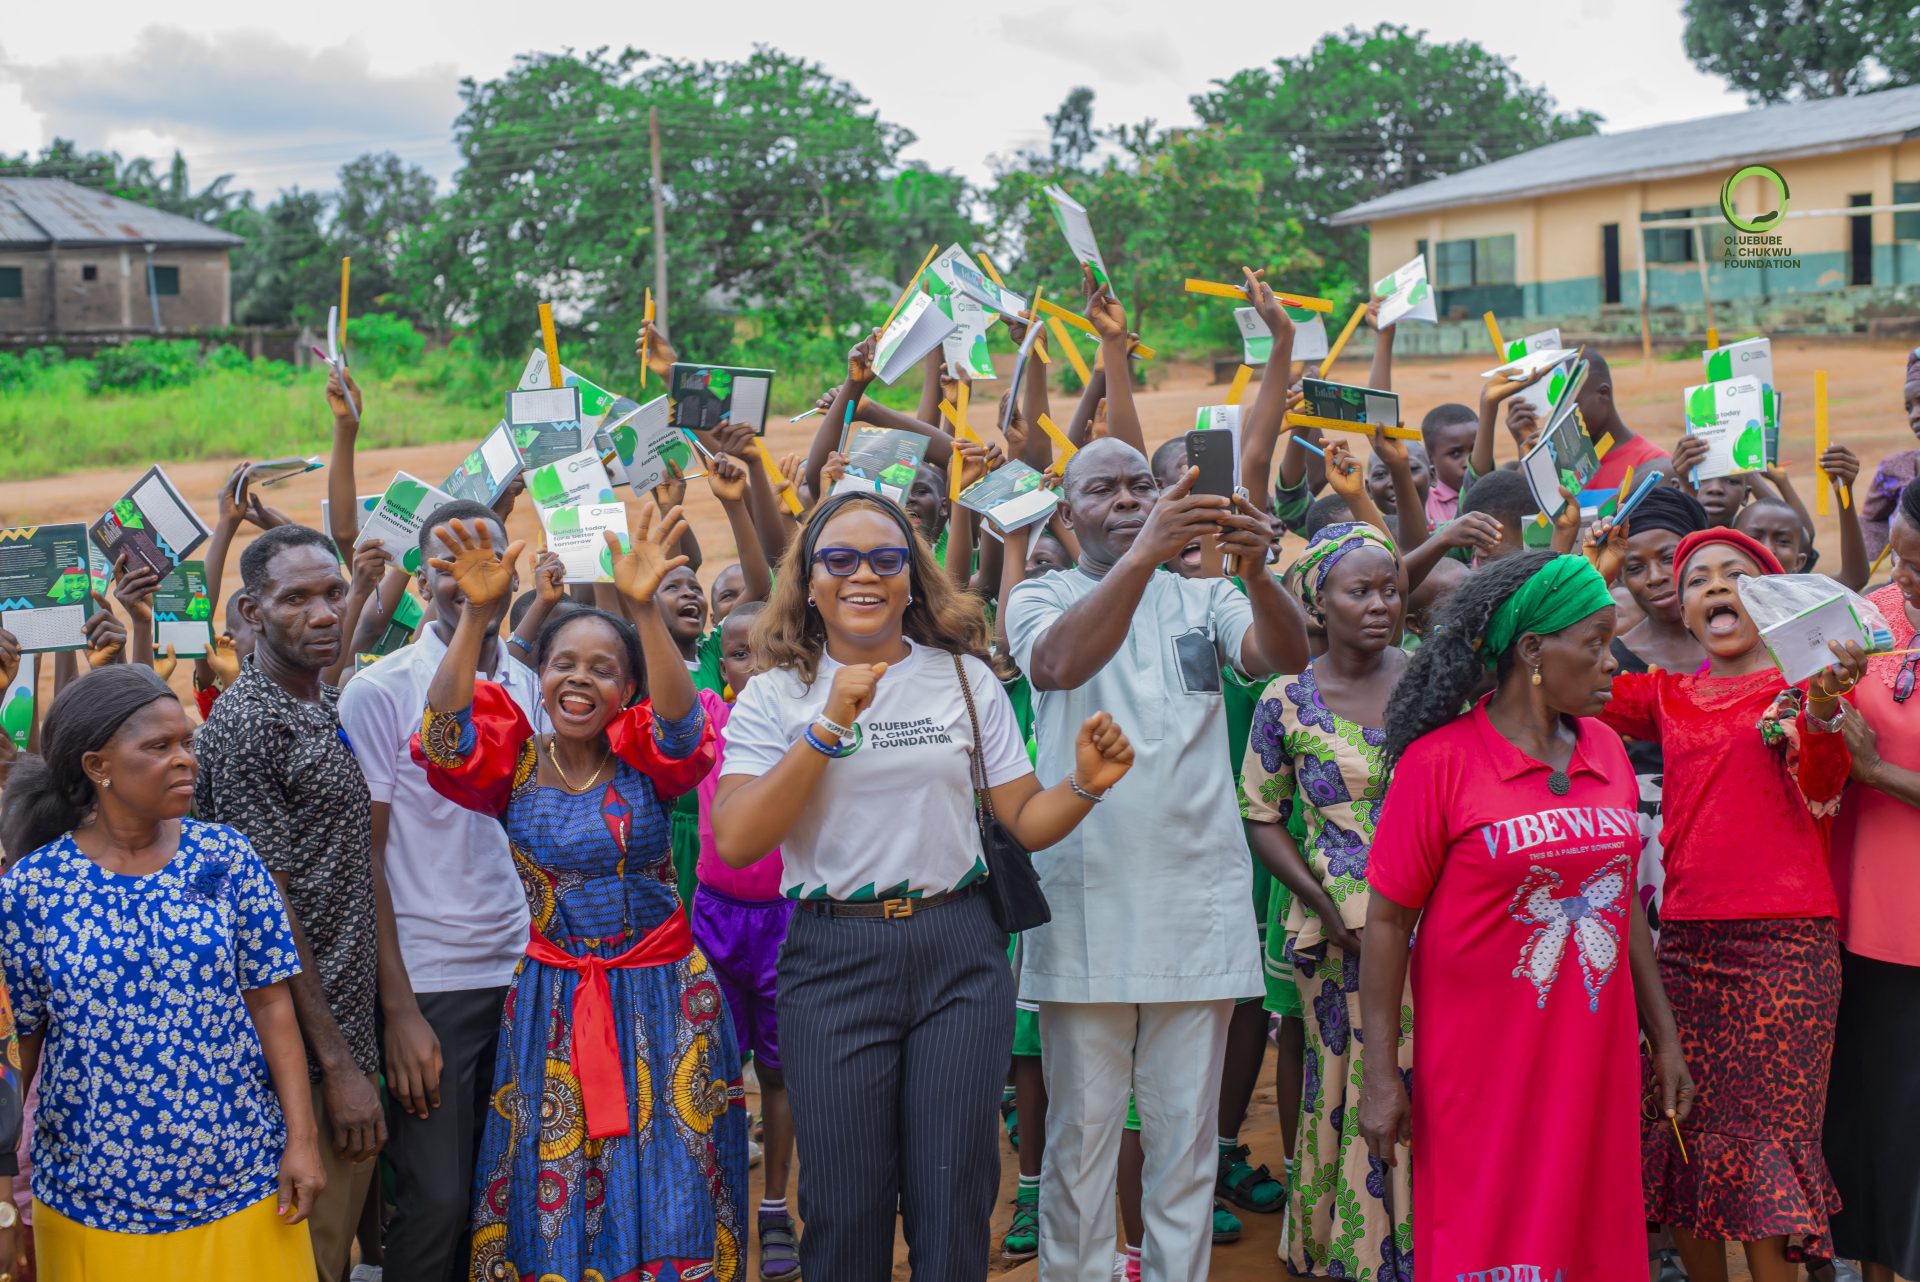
column 895, row 1037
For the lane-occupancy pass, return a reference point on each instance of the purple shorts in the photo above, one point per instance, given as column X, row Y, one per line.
column 742, row 939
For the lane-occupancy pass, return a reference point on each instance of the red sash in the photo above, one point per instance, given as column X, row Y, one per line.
column 595, row 1048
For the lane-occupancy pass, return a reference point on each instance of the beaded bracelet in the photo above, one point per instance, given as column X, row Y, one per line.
column 846, row 748
column 1095, row 797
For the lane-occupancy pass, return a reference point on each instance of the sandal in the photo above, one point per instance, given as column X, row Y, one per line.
column 1251, row 1188
column 1226, row 1225
column 1010, row 1116
column 779, row 1249
column 1023, row 1235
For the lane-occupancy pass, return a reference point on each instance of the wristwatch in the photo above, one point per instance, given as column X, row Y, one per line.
column 9, row 1213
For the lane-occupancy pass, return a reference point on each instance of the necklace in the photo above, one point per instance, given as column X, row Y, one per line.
column 567, row 783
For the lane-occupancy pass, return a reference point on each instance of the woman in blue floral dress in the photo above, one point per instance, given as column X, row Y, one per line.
column 1317, row 747
column 616, row 1146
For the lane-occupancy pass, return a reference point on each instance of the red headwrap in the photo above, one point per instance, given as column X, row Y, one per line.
column 1768, row 563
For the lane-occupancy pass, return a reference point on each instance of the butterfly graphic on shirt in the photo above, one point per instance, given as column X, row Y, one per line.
column 1576, row 923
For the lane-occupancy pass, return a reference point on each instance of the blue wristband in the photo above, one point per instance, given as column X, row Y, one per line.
column 846, row 748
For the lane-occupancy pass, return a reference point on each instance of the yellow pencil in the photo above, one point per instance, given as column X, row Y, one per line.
column 1675, row 1123
column 346, row 273
column 552, row 345
column 646, row 338
column 1241, row 377
column 1493, row 332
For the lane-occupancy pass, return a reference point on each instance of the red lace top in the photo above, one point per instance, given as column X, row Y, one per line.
column 1740, row 836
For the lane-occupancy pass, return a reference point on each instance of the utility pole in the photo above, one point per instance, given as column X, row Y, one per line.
column 659, row 227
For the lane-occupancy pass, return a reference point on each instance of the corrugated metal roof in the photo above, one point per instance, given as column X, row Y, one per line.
column 1767, row 135
column 39, row 211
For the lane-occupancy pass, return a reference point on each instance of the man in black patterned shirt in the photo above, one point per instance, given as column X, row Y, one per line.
column 275, row 764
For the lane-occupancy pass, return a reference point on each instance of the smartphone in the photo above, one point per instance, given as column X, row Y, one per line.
column 1212, row 452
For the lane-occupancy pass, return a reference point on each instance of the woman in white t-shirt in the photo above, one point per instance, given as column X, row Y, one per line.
column 850, row 752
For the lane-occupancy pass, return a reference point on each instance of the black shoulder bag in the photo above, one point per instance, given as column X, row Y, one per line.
column 1013, row 887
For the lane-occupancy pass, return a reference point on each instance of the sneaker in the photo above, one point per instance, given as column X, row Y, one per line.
column 779, row 1249
column 1251, row 1188
column 366, row 1273
column 1226, row 1225
column 1023, row 1235
column 1133, row 1268
column 1119, row 1266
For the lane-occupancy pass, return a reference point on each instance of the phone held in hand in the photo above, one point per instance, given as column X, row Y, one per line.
column 1212, row 452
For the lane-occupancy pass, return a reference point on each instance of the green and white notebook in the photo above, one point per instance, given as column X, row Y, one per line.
column 1256, row 340
column 1750, row 358
column 957, row 272
column 578, row 536
column 46, row 586
column 569, row 482
column 1074, row 225
column 702, row 397
column 966, row 348
column 182, row 612
column 644, row 442
column 274, row 471
column 1011, row 496
column 396, row 519
column 1564, row 455
column 546, row 423
column 16, row 705
column 598, row 405
column 1731, row 416
column 882, row 459
column 1406, row 295
column 1544, row 394
column 1346, row 403
column 407, row 616
column 920, row 327
column 486, row 473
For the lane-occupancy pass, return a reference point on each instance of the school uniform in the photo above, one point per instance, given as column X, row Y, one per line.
column 1151, row 941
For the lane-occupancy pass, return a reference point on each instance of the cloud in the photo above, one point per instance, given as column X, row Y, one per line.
column 244, row 100
column 1087, row 37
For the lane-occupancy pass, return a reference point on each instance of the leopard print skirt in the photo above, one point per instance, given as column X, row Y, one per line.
column 1755, row 1002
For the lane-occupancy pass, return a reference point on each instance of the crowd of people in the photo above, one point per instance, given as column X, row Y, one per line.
column 458, row 963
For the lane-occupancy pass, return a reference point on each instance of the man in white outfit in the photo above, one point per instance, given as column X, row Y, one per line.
column 1150, row 942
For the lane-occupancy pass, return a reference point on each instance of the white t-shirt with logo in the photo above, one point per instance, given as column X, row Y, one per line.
column 895, row 819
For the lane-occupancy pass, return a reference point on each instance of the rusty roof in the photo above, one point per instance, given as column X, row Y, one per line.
column 37, row 212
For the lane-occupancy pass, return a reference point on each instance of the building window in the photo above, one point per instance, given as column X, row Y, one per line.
column 166, row 280
column 1906, row 226
column 89, row 272
column 1464, row 264
column 12, row 285
column 1672, row 244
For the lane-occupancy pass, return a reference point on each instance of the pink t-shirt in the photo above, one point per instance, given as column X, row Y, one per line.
column 1526, row 1053
column 757, row 881
column 1875, row 836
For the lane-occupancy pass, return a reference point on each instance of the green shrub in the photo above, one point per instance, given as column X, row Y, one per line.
column 146, row 365
column 383, row 343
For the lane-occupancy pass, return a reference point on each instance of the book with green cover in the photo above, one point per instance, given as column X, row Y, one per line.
column 644, row 443
column 702, row 397
column 883, row 459
column 1256, row 340
column 1078, row 229
column 954, row 270
column 395, row 521
column 150, row 525
column 578, row 536
column 484, row 475
column 1011, row 496
column 182, row 612
column 546, row 423
column 920, row 327
column 1731, row 416
column 1406, row 294
column 1346, row 403
column 407, row 616
column 46, row 586
column 569, row 482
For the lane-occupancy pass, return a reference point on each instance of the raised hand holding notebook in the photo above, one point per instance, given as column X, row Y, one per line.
column 1256, row 340
column 920, row 327
column 882, row 459
column 1731, row 417
column 1406, row 295
column 46, row 588
column 1078, row 229
column 152, row 525
column 182, row 612
column 487, row 472
column 702, row 397
column 1011, row 496
column 546, row 423
column 569, row 482
column 396, row 519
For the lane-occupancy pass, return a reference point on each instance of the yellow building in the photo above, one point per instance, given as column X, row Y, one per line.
column 1572, row 228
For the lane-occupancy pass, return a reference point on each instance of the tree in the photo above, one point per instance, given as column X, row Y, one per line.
column 137, row 180
column 784, row 192
column 1365, row 113
column 1070, row 130
column 381, row 203
column 287, row 271
column 1779, row 50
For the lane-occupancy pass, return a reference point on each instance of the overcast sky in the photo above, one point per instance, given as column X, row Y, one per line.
column 281, row 95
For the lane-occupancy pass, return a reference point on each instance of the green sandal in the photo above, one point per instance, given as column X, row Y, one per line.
column 1023, row 1235
column 779, row 1249
column 1010, row 1117
column 1251, row 1188
column 1226, row 1225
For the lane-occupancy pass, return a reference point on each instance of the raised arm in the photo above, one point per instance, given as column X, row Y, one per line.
column 939, row 442
column 826, row 437
column 1407, row 502
column 1081, row 428
column 727, row 478
column 1260, row 428
column 1109, row 320
column 1843, row 466
column 1380, row 372
column 342, row 501
column 637, row 573
column 1348, row 479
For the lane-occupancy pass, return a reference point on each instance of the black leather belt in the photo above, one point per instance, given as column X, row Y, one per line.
column 890, row 909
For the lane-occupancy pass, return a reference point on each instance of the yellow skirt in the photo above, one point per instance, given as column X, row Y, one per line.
column 252, row 1244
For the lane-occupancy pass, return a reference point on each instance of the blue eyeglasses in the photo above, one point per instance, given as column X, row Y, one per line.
column 842, row 563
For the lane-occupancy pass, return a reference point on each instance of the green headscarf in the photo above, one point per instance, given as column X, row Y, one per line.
column 1564, row 591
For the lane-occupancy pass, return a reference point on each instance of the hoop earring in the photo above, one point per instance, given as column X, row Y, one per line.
column 811, row 605
column 909, row 598
column 1536, row 674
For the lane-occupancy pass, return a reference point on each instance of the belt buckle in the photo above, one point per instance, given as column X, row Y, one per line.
column 896, row 909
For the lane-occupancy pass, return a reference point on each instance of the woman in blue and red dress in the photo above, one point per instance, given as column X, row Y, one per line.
column 616, row 1144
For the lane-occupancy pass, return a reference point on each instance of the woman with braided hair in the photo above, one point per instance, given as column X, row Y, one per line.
column 1509, row 835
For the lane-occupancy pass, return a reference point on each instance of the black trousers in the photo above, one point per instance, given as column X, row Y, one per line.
column 433, row 1160
column 895, row 1037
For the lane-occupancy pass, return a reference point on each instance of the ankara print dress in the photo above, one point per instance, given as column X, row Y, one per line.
column 1349, row 1214
column 664, row 1201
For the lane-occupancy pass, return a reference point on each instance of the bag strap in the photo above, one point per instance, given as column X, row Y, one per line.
column 982, row 798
